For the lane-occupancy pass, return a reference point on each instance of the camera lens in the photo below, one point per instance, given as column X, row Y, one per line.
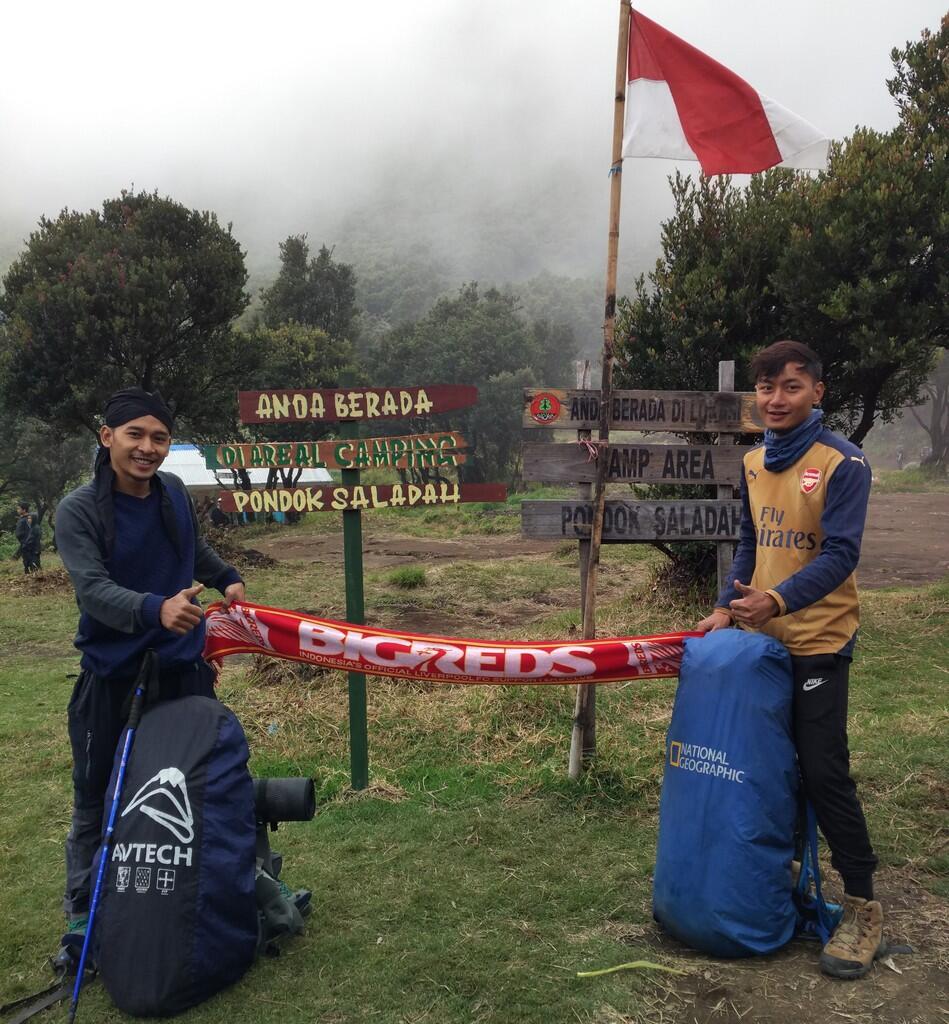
column 284, row 799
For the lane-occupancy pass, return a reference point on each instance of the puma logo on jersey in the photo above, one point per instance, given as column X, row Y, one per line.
column 862, row 459
column 812, row 684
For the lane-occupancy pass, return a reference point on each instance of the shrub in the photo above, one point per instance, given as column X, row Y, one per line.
column 408, row 577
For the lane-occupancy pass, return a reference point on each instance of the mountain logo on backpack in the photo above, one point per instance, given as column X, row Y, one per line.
column 166, row 793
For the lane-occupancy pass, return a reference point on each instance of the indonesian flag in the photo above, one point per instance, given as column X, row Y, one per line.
column 683, row 105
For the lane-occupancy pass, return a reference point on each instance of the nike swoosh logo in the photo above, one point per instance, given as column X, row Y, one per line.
column 812, row 684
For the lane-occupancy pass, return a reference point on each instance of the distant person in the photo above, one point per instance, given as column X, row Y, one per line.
column 899, row 457
column 804, row 504
column 130, row 542
column 203, row 508
column 218, row 516
column 36, row 541
column 27, row 536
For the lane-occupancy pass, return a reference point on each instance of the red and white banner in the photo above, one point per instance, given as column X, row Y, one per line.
column 683, row 105
column 255, row 629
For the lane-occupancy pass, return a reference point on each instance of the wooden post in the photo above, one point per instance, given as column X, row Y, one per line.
column 726, row 549
column 606, row 383
column 583, row 735
column 355, row 613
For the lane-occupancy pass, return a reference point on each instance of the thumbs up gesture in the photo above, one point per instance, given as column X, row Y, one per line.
column 754, row 607
column 179, row 614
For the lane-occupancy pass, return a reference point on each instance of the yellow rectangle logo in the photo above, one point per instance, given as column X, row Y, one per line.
column 675, row 753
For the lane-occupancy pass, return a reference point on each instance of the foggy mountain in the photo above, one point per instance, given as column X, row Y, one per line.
column 471, row 140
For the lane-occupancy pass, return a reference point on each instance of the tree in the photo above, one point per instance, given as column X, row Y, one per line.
column 864, row 276
column 852, row 262
column 709, row 296
column 318, row 292
column 40, row 463
column 294, row 356
column 936, row 390
column 141, row 293
column 576, row 303
column 397, row 282
column 481, row 339
column 920, row 87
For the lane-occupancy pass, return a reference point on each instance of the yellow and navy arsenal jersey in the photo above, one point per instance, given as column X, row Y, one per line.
column 800, row 541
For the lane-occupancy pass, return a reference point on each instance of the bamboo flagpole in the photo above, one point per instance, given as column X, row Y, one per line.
column 583, row 738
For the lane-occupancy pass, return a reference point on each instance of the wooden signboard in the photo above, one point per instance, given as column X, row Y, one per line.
column 332, row 498
column 643, row 410
column 327, row 406
column 634, row 520
column 349, row 406
column 642, row 463
column 410, row 451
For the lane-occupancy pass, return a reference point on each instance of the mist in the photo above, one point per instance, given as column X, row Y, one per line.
column 479, row 134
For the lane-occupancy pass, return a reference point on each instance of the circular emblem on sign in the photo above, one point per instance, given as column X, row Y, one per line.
column 545, row 407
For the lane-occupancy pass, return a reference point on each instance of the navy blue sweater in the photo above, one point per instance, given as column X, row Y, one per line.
column 124, row 569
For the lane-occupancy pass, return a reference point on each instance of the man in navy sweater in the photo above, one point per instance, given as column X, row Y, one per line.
column 130, row 542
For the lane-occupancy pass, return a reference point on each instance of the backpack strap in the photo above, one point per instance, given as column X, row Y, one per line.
column 148, row 678
column 30, row 1006
column 39, row 1002
column 822, row 917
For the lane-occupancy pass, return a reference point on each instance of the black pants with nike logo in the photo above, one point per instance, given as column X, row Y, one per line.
column 97, row 714
column 820, row 734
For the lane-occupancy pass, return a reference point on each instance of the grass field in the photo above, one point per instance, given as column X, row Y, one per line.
column 472, row 880
column 909, row 481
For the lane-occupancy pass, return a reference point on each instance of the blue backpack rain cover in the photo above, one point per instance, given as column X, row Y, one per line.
column 729, row 799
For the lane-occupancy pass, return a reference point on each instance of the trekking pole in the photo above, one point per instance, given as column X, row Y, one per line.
column 135, row 713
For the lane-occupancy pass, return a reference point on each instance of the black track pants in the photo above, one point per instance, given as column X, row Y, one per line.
column 820, row 734
column 96, row 721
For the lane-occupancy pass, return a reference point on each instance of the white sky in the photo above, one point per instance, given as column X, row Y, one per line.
column 286, row 116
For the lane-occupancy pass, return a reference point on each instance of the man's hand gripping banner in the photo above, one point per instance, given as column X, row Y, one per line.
column 255, row 629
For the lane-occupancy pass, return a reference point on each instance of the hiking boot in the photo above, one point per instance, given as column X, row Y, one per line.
column 67, row 959
column 300, row 899
column 857, row 941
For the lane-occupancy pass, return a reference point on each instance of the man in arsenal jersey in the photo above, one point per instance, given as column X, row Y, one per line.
column 804, row 503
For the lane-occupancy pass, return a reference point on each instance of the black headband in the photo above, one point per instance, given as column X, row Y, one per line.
column 131, row 403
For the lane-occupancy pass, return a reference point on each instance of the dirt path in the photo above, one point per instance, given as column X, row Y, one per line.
column 789, row 987
column 383, row 552
column 906, row 543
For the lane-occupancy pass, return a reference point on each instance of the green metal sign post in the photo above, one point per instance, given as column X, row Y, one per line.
column 355, row 613
column 349, row 406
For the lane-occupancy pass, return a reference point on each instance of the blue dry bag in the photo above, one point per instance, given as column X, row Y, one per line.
column 729, row 799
